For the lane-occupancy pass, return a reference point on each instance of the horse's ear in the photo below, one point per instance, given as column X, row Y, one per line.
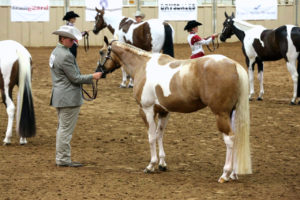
column 106, row 40
column 97, row 9
column 226, row 14
column 232, row 15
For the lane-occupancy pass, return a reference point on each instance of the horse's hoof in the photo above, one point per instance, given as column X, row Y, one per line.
column 130, row 86
column 162, row 168
column 250, row 98
column 6, row 144
column 122, row 86
column 148, row 171
column 259, row 99
column 292, row 103
column 222, row 180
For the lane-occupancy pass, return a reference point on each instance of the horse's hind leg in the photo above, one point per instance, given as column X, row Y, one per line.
column 291, row 65
column 10, row 109
column 124, row 79
column 162, row 123
column 260, row 77
column 148, row 117
column 223, row 123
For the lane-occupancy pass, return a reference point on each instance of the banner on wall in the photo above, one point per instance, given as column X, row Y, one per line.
column 256, row 9
column 177, row 10
column 29, row 10
column 111, row 6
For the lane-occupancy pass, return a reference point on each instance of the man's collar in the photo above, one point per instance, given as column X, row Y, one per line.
column 61, row 45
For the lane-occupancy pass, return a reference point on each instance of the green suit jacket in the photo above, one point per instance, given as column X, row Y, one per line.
column 66, row 78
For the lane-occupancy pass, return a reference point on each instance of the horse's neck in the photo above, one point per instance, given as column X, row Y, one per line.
column 112, row 20
column 241, row 27
column 131, row 57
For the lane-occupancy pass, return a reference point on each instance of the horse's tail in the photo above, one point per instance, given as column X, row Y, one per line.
column 168, row 47
column 25, row 112
column 242, row 157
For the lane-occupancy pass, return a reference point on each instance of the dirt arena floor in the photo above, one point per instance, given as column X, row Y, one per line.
column 111, row 140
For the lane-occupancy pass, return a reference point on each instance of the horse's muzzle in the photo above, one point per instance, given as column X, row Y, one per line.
column 102, row 69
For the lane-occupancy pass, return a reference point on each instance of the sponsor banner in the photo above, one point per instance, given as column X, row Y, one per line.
column 112, row 6
column 256, row 9
column 177, row 10
column 30, row 10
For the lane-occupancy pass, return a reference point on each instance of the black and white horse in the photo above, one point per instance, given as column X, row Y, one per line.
column 15, row 69
column 261, row 44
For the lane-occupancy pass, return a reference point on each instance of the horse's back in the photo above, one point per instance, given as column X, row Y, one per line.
column 9, row 48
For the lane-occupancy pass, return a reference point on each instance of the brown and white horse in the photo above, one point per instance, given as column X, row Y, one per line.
column 15, row 65
column 151, row 35
column 163, row 84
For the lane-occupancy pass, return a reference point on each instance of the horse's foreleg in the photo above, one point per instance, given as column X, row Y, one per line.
column 251, row 77
column 162, row 123
column 293, row 71
column 260, row 77
column 148, row 117
column 10, row 109
column 124, row 78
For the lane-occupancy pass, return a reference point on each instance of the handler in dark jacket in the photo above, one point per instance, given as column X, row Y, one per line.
column 70, row 17
column 66, row 91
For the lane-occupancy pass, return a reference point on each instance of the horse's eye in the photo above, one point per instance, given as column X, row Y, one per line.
column 101, row 53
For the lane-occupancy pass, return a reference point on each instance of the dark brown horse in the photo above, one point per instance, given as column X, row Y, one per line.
column 163, row 84
column 152, row 35
column 15, row 65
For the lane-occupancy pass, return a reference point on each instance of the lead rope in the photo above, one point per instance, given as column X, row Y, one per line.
column 86, row 42
column 215, row 46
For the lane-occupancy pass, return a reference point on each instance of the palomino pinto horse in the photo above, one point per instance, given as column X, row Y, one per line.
column 15, row 65
column 152, row 35
column 163, row 84
column 261, row 44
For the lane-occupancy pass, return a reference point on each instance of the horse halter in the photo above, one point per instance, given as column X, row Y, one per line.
column 101, row 67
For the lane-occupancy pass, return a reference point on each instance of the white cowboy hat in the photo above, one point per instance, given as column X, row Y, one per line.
column 68, row 31
column 138, row 13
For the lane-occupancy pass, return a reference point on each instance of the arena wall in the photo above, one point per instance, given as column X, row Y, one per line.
column 36, row 34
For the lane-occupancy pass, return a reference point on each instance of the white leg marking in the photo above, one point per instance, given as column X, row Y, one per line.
column 152, row 137
column 162, row 123
column 228, row 167
column 251, row 78
column 130, row 84
column 293, row 71
column 10, row 109
column 260, row 77
column 124, row 78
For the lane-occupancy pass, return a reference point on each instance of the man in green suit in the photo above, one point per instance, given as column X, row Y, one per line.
column 66, row 91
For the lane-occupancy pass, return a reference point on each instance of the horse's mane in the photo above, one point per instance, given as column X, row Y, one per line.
column 245, row 26
column 134, row 49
